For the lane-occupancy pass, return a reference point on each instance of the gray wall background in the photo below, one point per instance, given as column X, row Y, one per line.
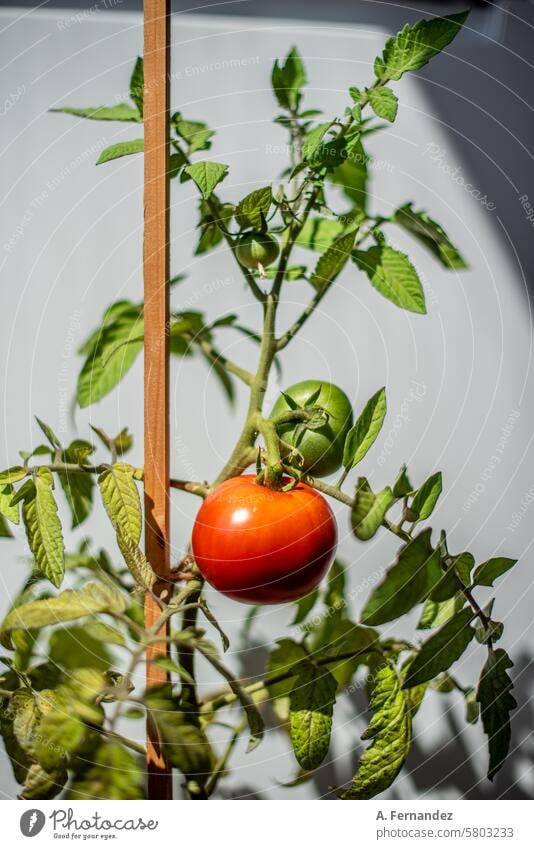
column 71, row 244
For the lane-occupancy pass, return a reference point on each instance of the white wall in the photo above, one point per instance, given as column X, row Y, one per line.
column 71, row 244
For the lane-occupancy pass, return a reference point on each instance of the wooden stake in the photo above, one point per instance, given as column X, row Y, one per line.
column 156, row 378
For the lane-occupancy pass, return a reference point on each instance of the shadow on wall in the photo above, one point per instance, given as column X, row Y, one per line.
column 427, row 768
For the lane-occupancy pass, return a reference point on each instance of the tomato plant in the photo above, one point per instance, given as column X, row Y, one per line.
column 314, row 417
column 72, row 651
column 262, row 545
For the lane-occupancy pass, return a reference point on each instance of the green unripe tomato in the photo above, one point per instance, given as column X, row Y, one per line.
column 257, row 249
column 321, row 448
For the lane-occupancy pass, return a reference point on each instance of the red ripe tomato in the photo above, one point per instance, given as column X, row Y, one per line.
column 264, row 546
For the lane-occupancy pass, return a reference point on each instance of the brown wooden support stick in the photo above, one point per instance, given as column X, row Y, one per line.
column 156, row 377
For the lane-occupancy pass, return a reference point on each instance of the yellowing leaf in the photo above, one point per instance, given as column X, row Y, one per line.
column 121, row 500
column 43, row 527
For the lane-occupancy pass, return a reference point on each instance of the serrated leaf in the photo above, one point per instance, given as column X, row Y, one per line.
column 416, row 44
column 436, row 613
column 426, row 497
column 406, row 583
column 116, row 151
column 121, row 500
column 393, row 275
column 253, row 209
column 318, row 234
column 68, row 605
column 441, row 650
column 288, row 80
column 364, row 432
column 496, row 702
column 368, row 509
column 206, row 175
column 384, row 103
column 310, row 713
column 119, row 112
column 43, row 527
column 430, row 234
column 488, row 572
column 137, row 82
column 391, row 733
column 332, row 262
column 111, row 351
column 136, row 561
column 59, row 736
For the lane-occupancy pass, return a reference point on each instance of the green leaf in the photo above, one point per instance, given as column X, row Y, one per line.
column 137, row 82
column 185, row 744
column 12, row 475
column 496, row 701
column 393, row 275
column 436, row 613
column 352, row 175
column 43, row 527
column 368, row 510
column 77, row 647
column 314, row 139
column 430, row 234
column 488, row 572
column 362, row 435
column 112, row 772
column 119, row 112
column 121, row 500
column 59, row 735
column 337, row 636
column 288, row 80
column 39, row 784
column 10, row 511
column 456, row 576
column 402, row 486
column 406, row 583
column 332, row 262
column 391, row 733
column 68, row 605
column 425, row 499
column 78, row 489
column 335, row 585
column 4, row 528
column 49, row 433
column 310, row 713
column 115, row 151
column 253, row 209
column 304, row 606
column 440, row 651
column 319, row 233
column 111, row 352
column 136, row 562
column 206, row 175
column 196, row 134
column 416, row 44
column 384, row 103
column 280, row 663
